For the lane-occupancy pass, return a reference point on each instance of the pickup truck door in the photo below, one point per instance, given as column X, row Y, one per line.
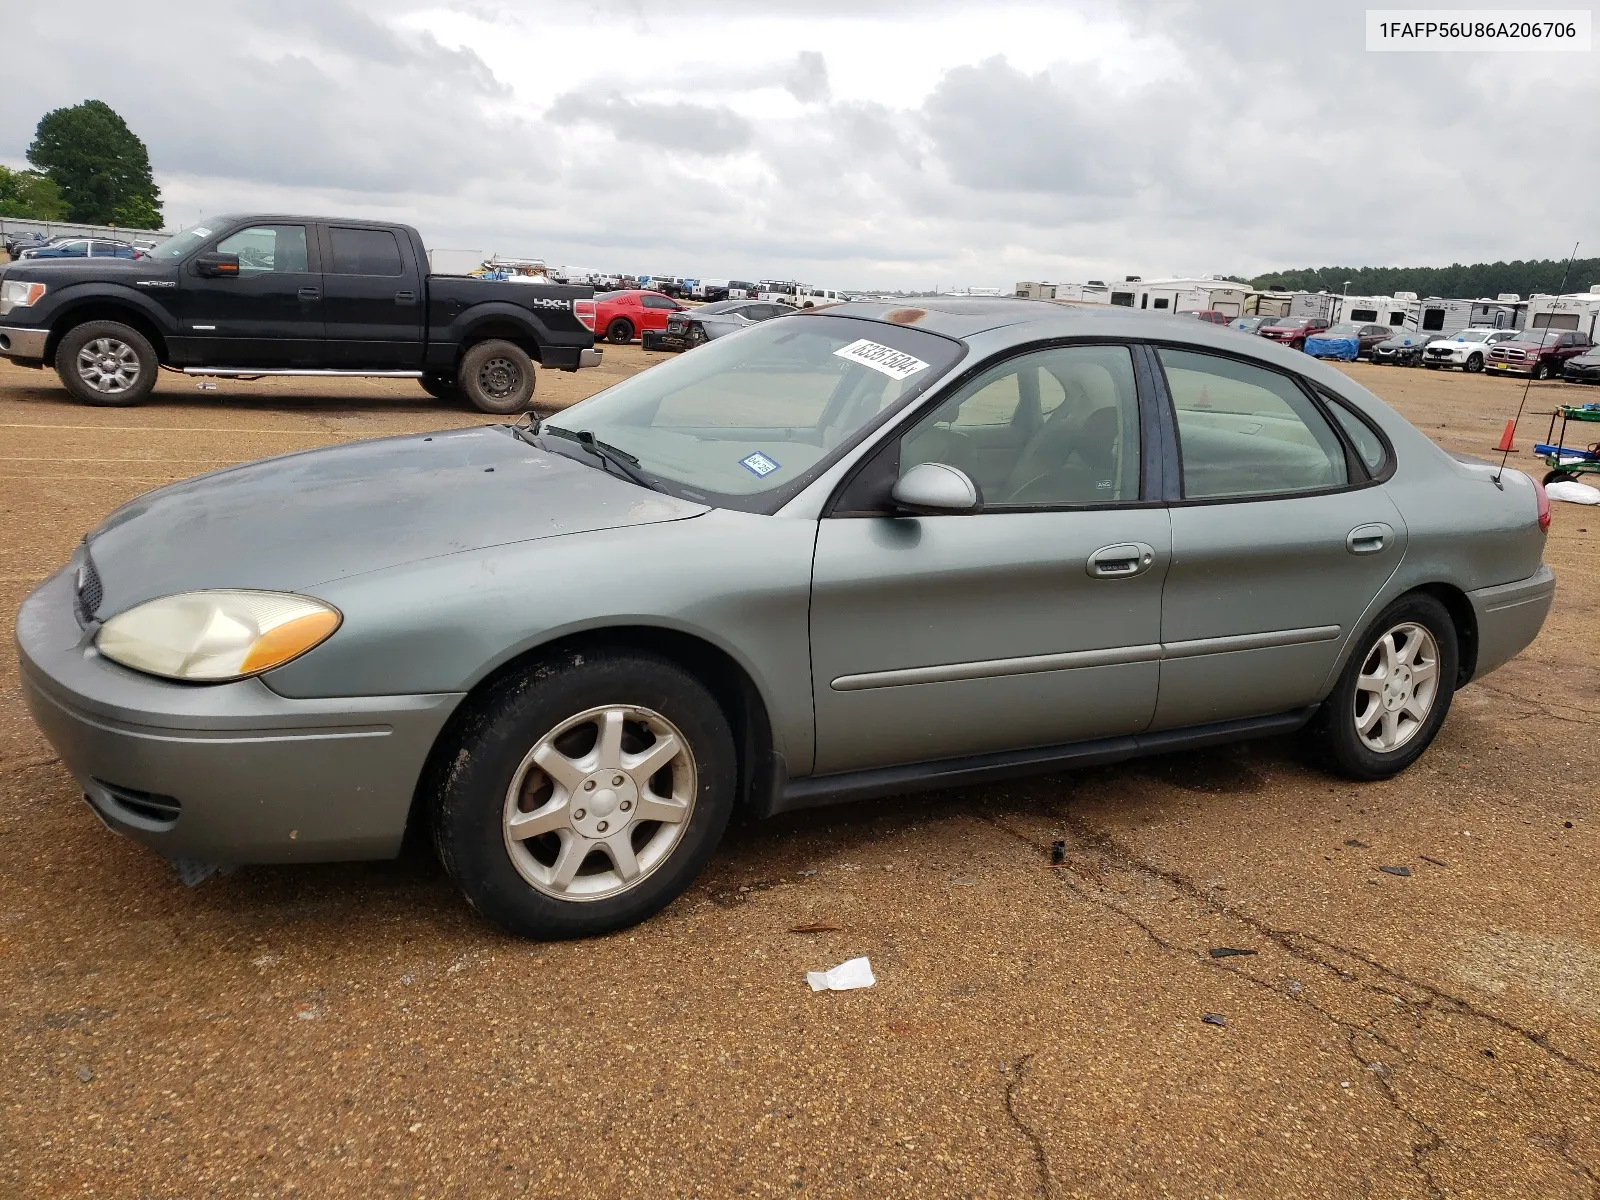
column 268, row 315
column 373, row 300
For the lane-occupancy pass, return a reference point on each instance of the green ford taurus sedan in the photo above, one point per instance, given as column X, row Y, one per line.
column 847, row 554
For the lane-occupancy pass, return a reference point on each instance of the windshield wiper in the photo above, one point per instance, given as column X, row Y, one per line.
column 611, row 455
column 528, row 432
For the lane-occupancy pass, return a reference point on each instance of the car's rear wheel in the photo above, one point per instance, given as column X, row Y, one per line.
column 584, row 795
column 441, row 386
column 619, row 332
column 1394, row 692
column 497, row 377
column 107, row 364
column 1474, row 363
column 697, row 334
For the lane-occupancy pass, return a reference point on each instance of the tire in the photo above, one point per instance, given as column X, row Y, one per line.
column 441, row 386
column 497, row 377
column 1540, row 371
column 107, row 364
column 1416, row 721
column 620, row 332
column 1474, row 363
column 1558, row 476
column 486, row 781
column 697, row 336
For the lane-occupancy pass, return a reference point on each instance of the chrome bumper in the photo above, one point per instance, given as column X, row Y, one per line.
column 589, row 357
column 19, row 342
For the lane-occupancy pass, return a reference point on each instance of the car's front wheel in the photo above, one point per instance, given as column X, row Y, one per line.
column 107, row 364
column 585, row 794
column 1540, row 371
column 1474, row 363
column 1394, row 693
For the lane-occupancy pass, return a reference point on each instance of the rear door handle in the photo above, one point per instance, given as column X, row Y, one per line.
column 310, row 293
column 1121, row 561
column 405, row 297
column 1369, row 539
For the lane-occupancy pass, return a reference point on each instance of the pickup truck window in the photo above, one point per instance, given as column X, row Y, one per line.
column 263, row 248
column 365, row 252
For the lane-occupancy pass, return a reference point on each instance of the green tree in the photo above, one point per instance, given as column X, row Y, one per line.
column 30, row 194
column 100, row 165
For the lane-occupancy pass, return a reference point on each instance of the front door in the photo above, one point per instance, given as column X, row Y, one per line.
column 1033, row 622
column 269, row 314
column 1279, row 545
column 373, row 303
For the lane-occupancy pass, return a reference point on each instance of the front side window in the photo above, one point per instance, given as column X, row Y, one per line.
column 1246, row 431
column 1053, row 428
column 268, row 248
column 762, row 408
column 365, row 252
column 650, row 301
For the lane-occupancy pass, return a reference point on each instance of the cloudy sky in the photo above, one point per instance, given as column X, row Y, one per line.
column 851, row 143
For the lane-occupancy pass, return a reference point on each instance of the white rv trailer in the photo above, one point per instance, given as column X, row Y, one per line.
column 1268, row 304
column 1574, row 310
column 1397, row 311
column 1317, row 305
column 1191, row 295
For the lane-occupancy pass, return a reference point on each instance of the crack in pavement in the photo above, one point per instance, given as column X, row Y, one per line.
column 1039, row 1158
column 1419, row 1150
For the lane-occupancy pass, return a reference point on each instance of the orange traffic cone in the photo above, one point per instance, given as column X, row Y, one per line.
column 1505, row 438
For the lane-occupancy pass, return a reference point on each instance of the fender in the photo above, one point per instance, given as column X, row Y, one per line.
column 75, row 296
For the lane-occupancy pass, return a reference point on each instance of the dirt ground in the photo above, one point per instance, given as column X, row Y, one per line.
column 354, row 1030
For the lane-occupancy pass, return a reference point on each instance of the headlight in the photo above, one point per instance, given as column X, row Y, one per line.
column 213, row 636
column 18, row 293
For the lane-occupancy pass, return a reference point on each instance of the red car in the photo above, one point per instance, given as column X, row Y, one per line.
column 622, row 316
column 1541, row 353
column 1292, row 331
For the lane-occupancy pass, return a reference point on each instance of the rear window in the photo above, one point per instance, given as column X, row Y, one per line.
column 365, row 252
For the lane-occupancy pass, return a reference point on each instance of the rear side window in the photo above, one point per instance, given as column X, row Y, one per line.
column 365, row 252
column 1246, row 431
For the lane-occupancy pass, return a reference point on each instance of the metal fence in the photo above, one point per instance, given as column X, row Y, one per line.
column 50, row 229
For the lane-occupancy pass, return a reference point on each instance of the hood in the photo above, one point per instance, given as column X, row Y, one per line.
column 290, row 523
column 62, row 271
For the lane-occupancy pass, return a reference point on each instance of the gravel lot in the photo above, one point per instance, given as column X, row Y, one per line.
column 1034, row 1032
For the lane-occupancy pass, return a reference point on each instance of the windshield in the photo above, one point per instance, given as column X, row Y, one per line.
column 1286, row 323
column 1343, row 329
column 760, row 409
column 1536, row 337
column 179, row 244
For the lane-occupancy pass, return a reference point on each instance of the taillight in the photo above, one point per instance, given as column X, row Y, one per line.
column 584, row 311
column 1544, row 506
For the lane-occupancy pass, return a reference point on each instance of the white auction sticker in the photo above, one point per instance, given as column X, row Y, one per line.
column 896, row 364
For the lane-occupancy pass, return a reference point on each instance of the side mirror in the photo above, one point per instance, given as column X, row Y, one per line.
column 216, row 266
column 936, row 488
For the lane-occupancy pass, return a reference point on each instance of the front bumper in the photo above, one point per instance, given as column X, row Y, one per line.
column 1581, row 374
column 17, row 341
column 227, row 773
column 1499, row 366
column 1510, row 616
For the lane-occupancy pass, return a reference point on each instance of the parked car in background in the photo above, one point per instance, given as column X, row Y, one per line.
column 799, row 567
column 1346, row 340
column 1250, row 325
column 1211, row 316
column 19, row 240
column 1292, row 331
column 1403, row 349
column 1467, row 349
column 1537, row 353
column 620, row 317
column 695, row 326
column 83, row 248
column 1583, row 368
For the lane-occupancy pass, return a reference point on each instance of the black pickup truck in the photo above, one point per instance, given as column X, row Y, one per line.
column 254, row 295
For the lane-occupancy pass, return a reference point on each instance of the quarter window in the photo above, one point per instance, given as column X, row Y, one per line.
column 1369, row 446
column 365, row 252
column 1049, row 429
column 267, row 248
column 1247, row 431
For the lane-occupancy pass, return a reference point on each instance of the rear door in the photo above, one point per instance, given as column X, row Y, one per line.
column 372, row 299
column 1281, row 538
column 269, row 314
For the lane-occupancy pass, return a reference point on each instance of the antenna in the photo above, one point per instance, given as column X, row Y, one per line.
column 1506, row 453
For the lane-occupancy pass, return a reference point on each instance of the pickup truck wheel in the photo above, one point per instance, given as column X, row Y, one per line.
column 441, row 387
column 107, row 364
column 1540, row 371
column 619, row 332
column 497, row 377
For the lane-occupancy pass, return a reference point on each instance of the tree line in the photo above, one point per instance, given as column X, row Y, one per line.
column 87, row 166
column 1453, row 282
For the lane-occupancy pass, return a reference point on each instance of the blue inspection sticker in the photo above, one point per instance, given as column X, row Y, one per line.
column 758, row 464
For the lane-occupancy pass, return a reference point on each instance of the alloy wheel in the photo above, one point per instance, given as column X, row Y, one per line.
column 1396, row 688
column 599, row 803
column 108, row 365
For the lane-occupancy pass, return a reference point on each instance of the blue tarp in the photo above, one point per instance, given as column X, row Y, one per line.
column 1339, row 347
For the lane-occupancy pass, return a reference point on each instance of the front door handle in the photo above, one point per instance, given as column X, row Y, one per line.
column 1369, row 539
column 1122, row 561
column 405, row 297
column 310, row 293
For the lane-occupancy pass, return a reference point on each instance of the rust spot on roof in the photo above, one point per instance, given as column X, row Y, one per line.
column 906, row 316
